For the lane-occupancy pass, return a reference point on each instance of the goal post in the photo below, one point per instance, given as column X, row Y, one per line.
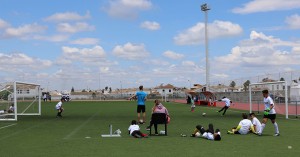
column 278, row 91
column 19, row 98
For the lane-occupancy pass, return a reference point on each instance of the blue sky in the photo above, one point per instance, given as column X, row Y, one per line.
column 97, row 43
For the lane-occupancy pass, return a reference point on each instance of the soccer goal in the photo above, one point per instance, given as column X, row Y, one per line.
column 278, row 91
column 19, row 98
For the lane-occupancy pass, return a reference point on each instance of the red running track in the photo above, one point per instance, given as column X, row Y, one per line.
column 280, row 108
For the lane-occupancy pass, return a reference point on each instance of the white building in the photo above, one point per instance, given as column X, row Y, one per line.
column 165, row 89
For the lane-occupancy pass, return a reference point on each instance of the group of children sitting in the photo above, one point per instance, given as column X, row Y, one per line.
column 245, row 126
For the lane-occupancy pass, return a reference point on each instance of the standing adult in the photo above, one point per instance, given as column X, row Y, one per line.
column 141, row 108
column 269, row 113
column 227, row 104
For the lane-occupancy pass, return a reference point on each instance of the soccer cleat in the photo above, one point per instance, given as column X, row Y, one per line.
column 229, row 132
column 258, row 134
column 148, row 128
column 193, row 135
column 277, row 134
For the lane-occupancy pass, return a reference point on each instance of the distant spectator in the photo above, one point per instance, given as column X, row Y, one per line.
column 45, row 97
column 49, row 97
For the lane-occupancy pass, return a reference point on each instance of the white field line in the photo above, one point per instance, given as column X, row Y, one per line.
column 79, row 127
column 8, row 126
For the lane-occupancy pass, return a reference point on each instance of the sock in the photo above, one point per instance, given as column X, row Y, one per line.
column 263, row 125
column 276, row 128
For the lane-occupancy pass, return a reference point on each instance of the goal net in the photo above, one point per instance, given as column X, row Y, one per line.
column 19, row 98
column 278, row 91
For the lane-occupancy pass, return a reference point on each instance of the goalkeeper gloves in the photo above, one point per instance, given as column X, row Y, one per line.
column 266, row 111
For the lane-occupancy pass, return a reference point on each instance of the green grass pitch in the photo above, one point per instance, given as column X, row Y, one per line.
column 46, row 136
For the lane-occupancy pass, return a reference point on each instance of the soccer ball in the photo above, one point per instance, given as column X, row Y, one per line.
column 203, row 114
column 197, row 134
column 118, row 132
column 141, row 121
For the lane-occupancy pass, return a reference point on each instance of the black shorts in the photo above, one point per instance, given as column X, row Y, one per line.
column 270, row 116
column 141, row 108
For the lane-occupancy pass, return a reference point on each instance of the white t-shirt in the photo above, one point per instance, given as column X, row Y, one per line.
column 257, row 124
column 58, row 105
column 208, row 135
column 227, row 101
column 245, row 126
column 132, row 128
column 268, row 101
column 11, row 108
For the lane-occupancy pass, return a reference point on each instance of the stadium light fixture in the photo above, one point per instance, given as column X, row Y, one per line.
column 205, row 8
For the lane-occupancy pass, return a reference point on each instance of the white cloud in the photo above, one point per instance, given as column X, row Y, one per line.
column 173, row 55
column 127, row 8
column 217, row 29
column 260, row 51
column 84, row 54
column 77, row 27
column 53, row 38
column 24, row 30
column 150, row 25
column 67, row 16
column 3, row 24
column 155, row 62
column 293, row 21
column 85, row 41
column 131, row 51
column 19, row 62
column 266, row 6
column 188, row 64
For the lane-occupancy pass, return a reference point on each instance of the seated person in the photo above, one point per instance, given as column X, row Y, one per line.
column 158, row 108
column 209, row 134
column 134, row 130
column 11, row 109
column 256, row 123
column 2, row 111
column 243, row 127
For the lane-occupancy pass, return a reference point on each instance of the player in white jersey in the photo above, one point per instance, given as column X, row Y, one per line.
column 227, row 105
column 59, row 108
column 269, row 113
column 256, row 123
column 243, row 127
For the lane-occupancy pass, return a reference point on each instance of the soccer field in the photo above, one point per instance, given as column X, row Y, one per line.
column 79, row 133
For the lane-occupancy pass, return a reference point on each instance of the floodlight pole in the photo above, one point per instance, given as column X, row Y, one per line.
column 205, row 9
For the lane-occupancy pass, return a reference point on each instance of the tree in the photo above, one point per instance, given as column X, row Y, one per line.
column 109, row 89
column 282, row 79
column 265, row 79
column 83, row 90
column 72, row 90
column 246, row 85
column 106, row 88
column 232, row 84
column 94, row 95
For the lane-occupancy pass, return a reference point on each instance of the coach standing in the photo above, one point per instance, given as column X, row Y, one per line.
column 141, row 98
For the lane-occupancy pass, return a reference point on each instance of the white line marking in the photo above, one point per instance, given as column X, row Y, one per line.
column 79, row 127
column 7, row 126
